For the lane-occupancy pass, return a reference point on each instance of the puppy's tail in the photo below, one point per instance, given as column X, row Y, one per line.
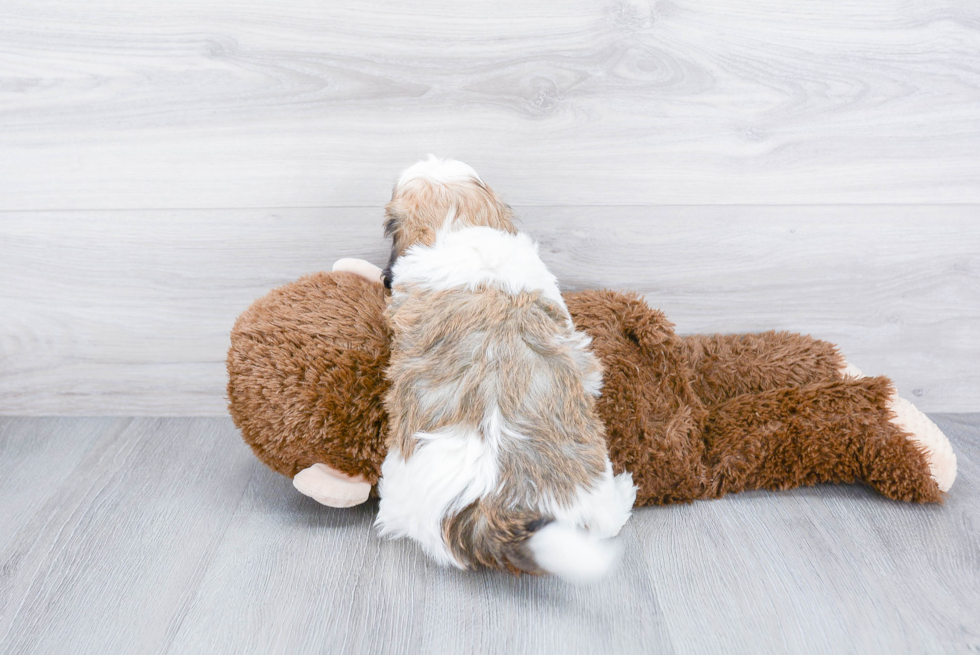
column 572, row 553
column 527, row 542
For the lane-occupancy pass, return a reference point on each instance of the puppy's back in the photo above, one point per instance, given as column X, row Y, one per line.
column 496, row 454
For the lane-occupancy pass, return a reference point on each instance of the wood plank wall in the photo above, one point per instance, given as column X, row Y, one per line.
column 749, row 165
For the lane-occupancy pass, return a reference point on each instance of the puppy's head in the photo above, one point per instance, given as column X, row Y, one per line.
column 439, row 193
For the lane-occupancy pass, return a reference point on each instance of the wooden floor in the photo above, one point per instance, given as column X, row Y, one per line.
column 165, row 535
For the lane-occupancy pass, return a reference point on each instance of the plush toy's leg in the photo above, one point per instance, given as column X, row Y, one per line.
column 365, row 269
column 728, row 365
column 839, row 431
column 935, row 445
column 330, row 487
column 938, row 451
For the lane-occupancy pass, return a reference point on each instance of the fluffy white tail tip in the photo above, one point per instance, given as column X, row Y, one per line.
column 573, row 554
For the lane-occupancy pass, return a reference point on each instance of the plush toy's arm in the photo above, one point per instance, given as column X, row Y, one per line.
column 361, row 267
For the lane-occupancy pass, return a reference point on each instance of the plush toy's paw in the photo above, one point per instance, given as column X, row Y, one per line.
column 365, row 269
column 938, row 451
column 330, row 487
column 926, row 434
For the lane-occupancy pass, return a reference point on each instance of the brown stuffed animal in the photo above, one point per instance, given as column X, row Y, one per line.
column 690, row 417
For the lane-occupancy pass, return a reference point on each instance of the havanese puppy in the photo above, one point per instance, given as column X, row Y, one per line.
column 496, row 454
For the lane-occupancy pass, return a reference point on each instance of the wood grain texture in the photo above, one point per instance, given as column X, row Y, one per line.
column 36, row 459
column 129, row 312
column 824, row 569
column 251, row 104
column 109, row 562
column 168, row 537
column 335, row 586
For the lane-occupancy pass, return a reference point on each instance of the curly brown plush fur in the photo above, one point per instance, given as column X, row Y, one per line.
column 305, row 375
column 690, row 417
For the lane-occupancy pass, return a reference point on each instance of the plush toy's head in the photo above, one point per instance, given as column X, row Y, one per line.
column 306, row 375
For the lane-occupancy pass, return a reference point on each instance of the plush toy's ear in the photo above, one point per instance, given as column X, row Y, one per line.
column 365, row 269
column 330, row 487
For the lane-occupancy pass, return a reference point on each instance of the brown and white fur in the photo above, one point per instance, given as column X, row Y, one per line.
column 496, row 455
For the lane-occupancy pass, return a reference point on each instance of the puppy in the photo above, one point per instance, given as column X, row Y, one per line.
column 496, row 457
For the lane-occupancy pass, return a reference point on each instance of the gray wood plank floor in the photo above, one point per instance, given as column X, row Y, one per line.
column 166, row 536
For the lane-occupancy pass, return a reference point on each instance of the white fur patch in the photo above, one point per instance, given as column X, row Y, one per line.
column 573, row 554
column 439, row 171
column 602, row 510
column 467, row 257
column 449, row 469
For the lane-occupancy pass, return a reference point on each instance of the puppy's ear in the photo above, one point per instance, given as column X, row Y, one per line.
column 480, row 205
column 393, row 222
column 386, row 273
